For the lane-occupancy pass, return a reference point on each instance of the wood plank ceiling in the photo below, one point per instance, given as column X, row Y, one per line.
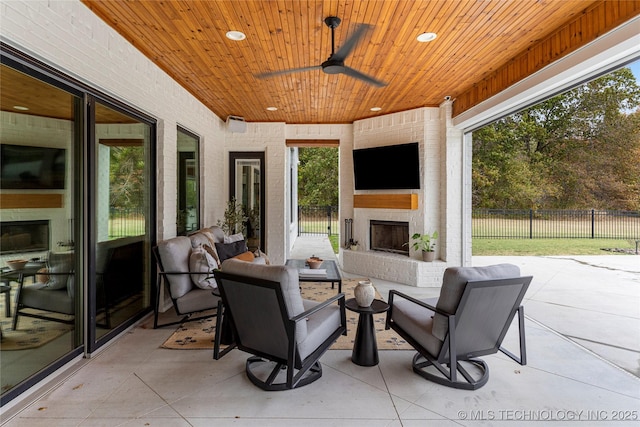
column 476, row 40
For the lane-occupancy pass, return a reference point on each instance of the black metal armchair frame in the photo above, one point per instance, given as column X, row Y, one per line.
column 223, row 334
column 253, row 320
column 477, row 328
column 186, row 316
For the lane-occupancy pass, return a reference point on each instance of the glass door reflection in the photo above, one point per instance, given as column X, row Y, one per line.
column 246, row 186
column 122, row 225
column 188, row 217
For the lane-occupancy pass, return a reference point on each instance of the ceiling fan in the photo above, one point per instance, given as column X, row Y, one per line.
column 335, row 63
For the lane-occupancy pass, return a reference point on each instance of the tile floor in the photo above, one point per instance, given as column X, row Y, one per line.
column 134, row 382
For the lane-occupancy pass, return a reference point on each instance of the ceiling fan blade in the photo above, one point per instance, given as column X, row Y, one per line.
column 348, row 46
column 358, row 75
column 289, row 71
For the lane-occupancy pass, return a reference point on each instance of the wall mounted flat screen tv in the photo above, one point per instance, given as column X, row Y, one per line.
column 29, row 167
column 391, row 167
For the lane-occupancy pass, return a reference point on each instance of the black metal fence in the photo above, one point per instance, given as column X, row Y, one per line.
column 555, row 224
column 317, row 220
column 126, row 222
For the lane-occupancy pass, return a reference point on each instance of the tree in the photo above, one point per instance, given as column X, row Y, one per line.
column 318, row 176
column 575, row 150
column 126, row 177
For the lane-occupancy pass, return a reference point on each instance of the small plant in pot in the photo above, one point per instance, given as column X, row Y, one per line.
column 425, row 243
column 353, row 245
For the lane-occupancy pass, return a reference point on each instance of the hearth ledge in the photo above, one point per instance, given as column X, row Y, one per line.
column 394, row 268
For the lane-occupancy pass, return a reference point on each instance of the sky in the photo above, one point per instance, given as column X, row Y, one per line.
column 635, row 69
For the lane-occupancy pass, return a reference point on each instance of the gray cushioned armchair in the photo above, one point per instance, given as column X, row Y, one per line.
column 270, row 320
column 55, row 294
column 172, row 256
column 470, row 319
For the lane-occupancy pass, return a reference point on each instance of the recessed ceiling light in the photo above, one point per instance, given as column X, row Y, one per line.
column 20, row 107
column 272, row 108
column 375, row 108
column 236, row 35
column 426, row 37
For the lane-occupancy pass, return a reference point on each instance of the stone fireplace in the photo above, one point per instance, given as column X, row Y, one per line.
column 389, row 236
column 24, row 236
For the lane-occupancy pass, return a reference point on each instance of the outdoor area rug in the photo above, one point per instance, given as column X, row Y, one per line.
column 200, row 334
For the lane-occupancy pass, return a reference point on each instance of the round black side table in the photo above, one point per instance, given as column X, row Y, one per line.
column 365, row 348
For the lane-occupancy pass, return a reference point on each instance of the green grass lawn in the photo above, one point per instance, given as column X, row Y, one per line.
column 539, row 247
column 334, row 242
column 549, row 246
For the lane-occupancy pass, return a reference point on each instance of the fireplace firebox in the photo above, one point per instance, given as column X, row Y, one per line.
column 389, row 236
column 24, row 236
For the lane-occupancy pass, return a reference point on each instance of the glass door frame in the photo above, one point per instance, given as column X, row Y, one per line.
column 251, row 155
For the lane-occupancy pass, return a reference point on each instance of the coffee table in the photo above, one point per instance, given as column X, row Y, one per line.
column 333, row 273
column 365, row 347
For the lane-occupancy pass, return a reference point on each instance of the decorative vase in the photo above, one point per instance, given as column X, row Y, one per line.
column 428, row 256
column 364, row 293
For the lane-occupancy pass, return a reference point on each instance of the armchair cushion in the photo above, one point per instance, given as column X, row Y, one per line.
column 57, row 300
column 417, row 321
column 217, row 232
column 202, row 262
column 319, row 326
column 196, row 300
column 175, row 254
column 202, row 237
column 453, row 284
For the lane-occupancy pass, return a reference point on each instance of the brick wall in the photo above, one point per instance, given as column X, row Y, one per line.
column 439, row 198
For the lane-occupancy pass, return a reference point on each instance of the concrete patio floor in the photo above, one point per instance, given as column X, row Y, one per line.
column 583, row 335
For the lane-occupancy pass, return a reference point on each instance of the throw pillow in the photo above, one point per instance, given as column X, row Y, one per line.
column 259, row 254
column 233, row 238
column 201, row 262
column 42, row 276
column 59, row 267
column 212, row 251
column 229, row 250
column 245, row 256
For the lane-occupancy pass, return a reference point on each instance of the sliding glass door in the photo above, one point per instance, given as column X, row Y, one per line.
column 77, row 206
column 121, row 223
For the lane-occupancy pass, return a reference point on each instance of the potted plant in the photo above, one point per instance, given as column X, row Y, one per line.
column 234, row 218
column 353, row 245
column 425, row 243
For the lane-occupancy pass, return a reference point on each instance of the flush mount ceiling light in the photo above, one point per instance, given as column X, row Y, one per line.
column 20, row 107
column 426, row 37
column 375, row 108
column 236, row 35
column 272, row 108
